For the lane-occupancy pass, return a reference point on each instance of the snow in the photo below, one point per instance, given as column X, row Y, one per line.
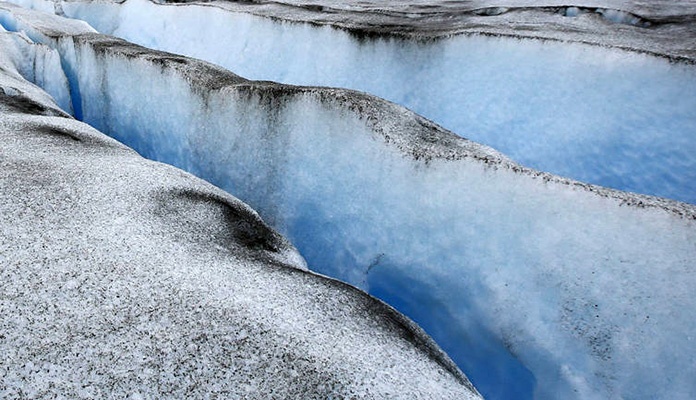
column 616, row 119
column 123, row 277
column 535, row 285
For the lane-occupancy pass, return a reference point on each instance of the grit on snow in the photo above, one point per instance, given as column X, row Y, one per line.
column 535, row 285
column 127, row 278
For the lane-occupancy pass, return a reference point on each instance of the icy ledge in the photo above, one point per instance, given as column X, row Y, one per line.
column 537, row 286
column 592, row 113
column 126, row 278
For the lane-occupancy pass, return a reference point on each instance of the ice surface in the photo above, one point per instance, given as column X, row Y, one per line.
column 598, row 115
column 36, row 63
column 617, row 23
column 126, row 278
column 536, row 285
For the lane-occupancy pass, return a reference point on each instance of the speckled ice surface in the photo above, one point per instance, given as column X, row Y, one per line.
column 536, row 285
column 126, row 278
column 620, row 119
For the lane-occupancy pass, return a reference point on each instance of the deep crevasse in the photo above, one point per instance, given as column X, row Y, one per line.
column 508, row 269
column 126, row 278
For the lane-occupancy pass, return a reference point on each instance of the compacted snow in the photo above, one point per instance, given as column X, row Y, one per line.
column 619, row 119
column 536, row 285
column 126, row 278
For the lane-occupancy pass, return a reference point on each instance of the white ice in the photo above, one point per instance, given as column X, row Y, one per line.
column 535, row 285
column 612, row 118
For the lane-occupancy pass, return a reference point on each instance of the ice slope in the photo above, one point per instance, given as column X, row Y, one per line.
column 599, row 115
column 126, row 278
column 537, row 286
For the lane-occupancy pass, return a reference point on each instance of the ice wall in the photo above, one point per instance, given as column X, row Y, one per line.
column 121, row 277
column 598, row 115
column 537, row 286
column 37, row 63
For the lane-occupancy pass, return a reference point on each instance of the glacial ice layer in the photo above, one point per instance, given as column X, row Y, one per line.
column 126, row 278
column 534, row 284
column 620, row 119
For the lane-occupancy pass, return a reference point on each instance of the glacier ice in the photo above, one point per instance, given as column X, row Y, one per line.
column 125, row 278
column 36, row 63
column 536, row 285
column 618, row 119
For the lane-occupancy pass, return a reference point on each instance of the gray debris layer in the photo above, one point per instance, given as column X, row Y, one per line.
column 660, row 27
column 125, row 277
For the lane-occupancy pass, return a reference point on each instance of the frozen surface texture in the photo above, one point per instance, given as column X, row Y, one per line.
column 536, row 285
column 127, row 278
column 619, row 119
column 663, row 27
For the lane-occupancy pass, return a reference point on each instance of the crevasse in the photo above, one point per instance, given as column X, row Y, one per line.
column 537, row 286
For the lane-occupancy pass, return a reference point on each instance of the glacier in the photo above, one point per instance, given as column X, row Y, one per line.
column 122, row 277
column 536, row 285
column 620, row 119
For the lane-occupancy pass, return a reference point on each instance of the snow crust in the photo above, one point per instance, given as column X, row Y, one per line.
column 126, row 278
column 537, row 286
column 608, row 117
